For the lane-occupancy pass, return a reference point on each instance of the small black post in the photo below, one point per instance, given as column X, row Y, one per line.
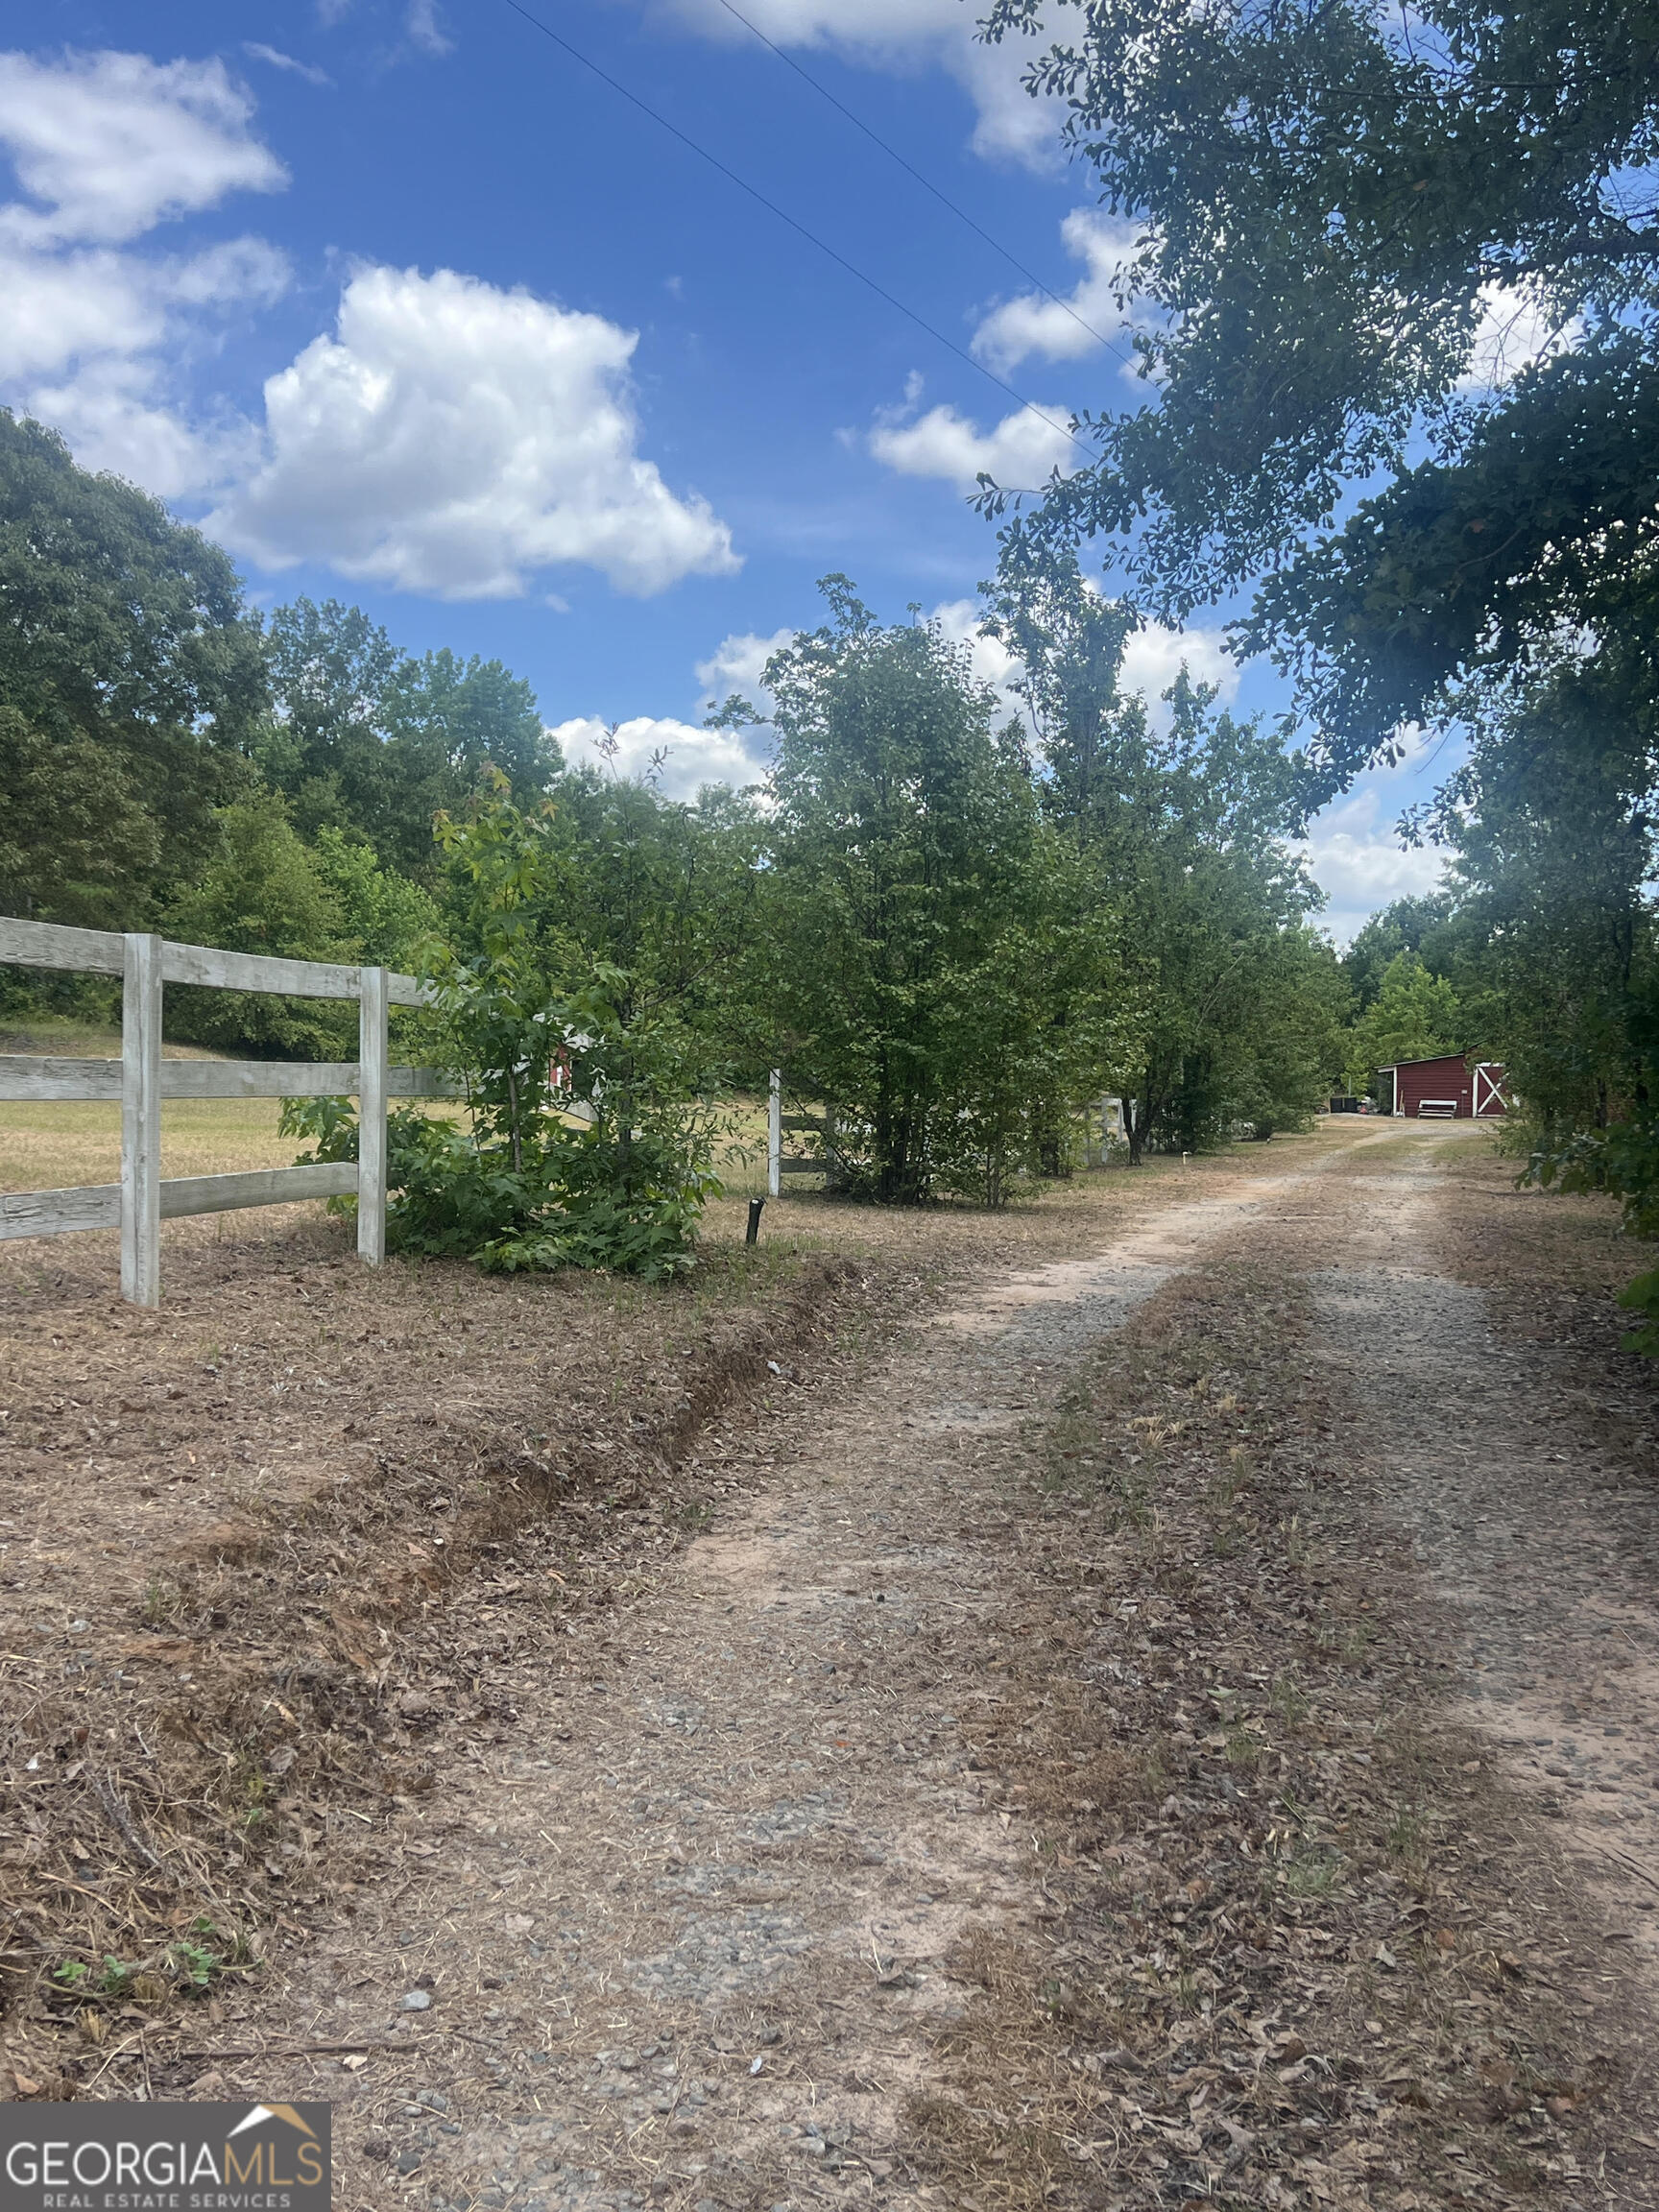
column 756, row 1208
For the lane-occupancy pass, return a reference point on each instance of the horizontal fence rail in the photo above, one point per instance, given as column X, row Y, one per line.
column 779, row 1125
column 23, row 1077
column 141, row 1079
column 102, row 953
column 98, row 1204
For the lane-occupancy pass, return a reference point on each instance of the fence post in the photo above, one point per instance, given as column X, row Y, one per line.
column 371, row 1054
column 141, row 1121
column 775, row 1134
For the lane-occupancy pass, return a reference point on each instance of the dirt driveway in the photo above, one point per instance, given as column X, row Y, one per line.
column 1166, row 1726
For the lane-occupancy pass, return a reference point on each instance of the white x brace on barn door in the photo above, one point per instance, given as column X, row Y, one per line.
column 1488, row 1090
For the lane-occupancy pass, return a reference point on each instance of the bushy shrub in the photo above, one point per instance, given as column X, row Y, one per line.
column 591, row 1110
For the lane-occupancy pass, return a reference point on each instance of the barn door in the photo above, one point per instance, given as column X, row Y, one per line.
column 1488, row 1090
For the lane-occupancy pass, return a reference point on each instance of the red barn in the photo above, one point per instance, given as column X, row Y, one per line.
column 1447, row 1089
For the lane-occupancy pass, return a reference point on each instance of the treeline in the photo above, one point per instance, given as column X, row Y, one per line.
column 956, row 926
column 169, row 761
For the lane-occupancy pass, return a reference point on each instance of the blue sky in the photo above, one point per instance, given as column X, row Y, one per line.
column 413, row 311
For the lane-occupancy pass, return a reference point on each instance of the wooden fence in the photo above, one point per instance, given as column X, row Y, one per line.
column 778, row 1122
column 141, row 1079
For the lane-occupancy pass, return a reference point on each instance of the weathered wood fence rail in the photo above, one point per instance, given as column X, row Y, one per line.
column 778, row 1124
column 141, row 1079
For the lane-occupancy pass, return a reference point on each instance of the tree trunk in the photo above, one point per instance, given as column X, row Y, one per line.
column 1134, row 1127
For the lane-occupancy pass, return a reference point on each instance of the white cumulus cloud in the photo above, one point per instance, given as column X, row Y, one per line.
column 900, row 36
column 86, row 304
column 1062, row 329
column 107, row 147
column 1360, row 865
column 1019, row 454
column 454, row 437
column 1154, row 655
column 112, row 144
column 446, row 437
column 117, row 415
column 691, row 757
column 735, row 666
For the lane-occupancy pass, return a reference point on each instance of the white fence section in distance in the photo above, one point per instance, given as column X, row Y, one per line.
column 141, row 1079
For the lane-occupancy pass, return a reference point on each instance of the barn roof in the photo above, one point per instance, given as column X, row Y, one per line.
column 1435, row 1060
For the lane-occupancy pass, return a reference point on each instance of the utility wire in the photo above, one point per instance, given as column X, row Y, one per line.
column 811, row 237
column 926, row 183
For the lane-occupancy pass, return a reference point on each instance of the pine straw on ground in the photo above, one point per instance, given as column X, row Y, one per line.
column 265, row 1554
column 227, row 1726
column 1303, row 1948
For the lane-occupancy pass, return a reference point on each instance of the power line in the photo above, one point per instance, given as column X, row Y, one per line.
column 811, row 236
column 926, row 183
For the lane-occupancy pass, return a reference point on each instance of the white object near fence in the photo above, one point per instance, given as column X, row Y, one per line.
column 774, row 1134
column 141, row 1079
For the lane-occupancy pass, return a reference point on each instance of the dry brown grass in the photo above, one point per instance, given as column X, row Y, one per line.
column 50, row 1147
column 232, row 1536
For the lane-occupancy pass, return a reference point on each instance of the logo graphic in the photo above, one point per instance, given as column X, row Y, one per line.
column 288, row 2112
column 164, row 2157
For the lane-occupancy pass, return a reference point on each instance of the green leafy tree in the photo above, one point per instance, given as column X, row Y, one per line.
column 131, row 677
column 387, row 919
column 1415, row 1016
column 263, row 891
column 449, row 723
column 1413, row 924
column 373, row 742
column 330, row 671
column 1211, row 1002
column 1554, row 837
column 1335, row 208
column 592, row 1092
column 665, row 893
column 908, row 913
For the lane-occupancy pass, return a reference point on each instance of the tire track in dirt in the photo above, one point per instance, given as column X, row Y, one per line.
column 1543, row 1546
column 683, row 1942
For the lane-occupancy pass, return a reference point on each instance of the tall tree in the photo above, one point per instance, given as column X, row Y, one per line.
column 1554, row 826
column 1414, row 1015
column 1339, row 213
column 372, row 741
column 1413, row 924
column 131, row 680
column 908, row 892
column 331, row 668
column 1224, row 1003
column 448, row 722
column 261, row 891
